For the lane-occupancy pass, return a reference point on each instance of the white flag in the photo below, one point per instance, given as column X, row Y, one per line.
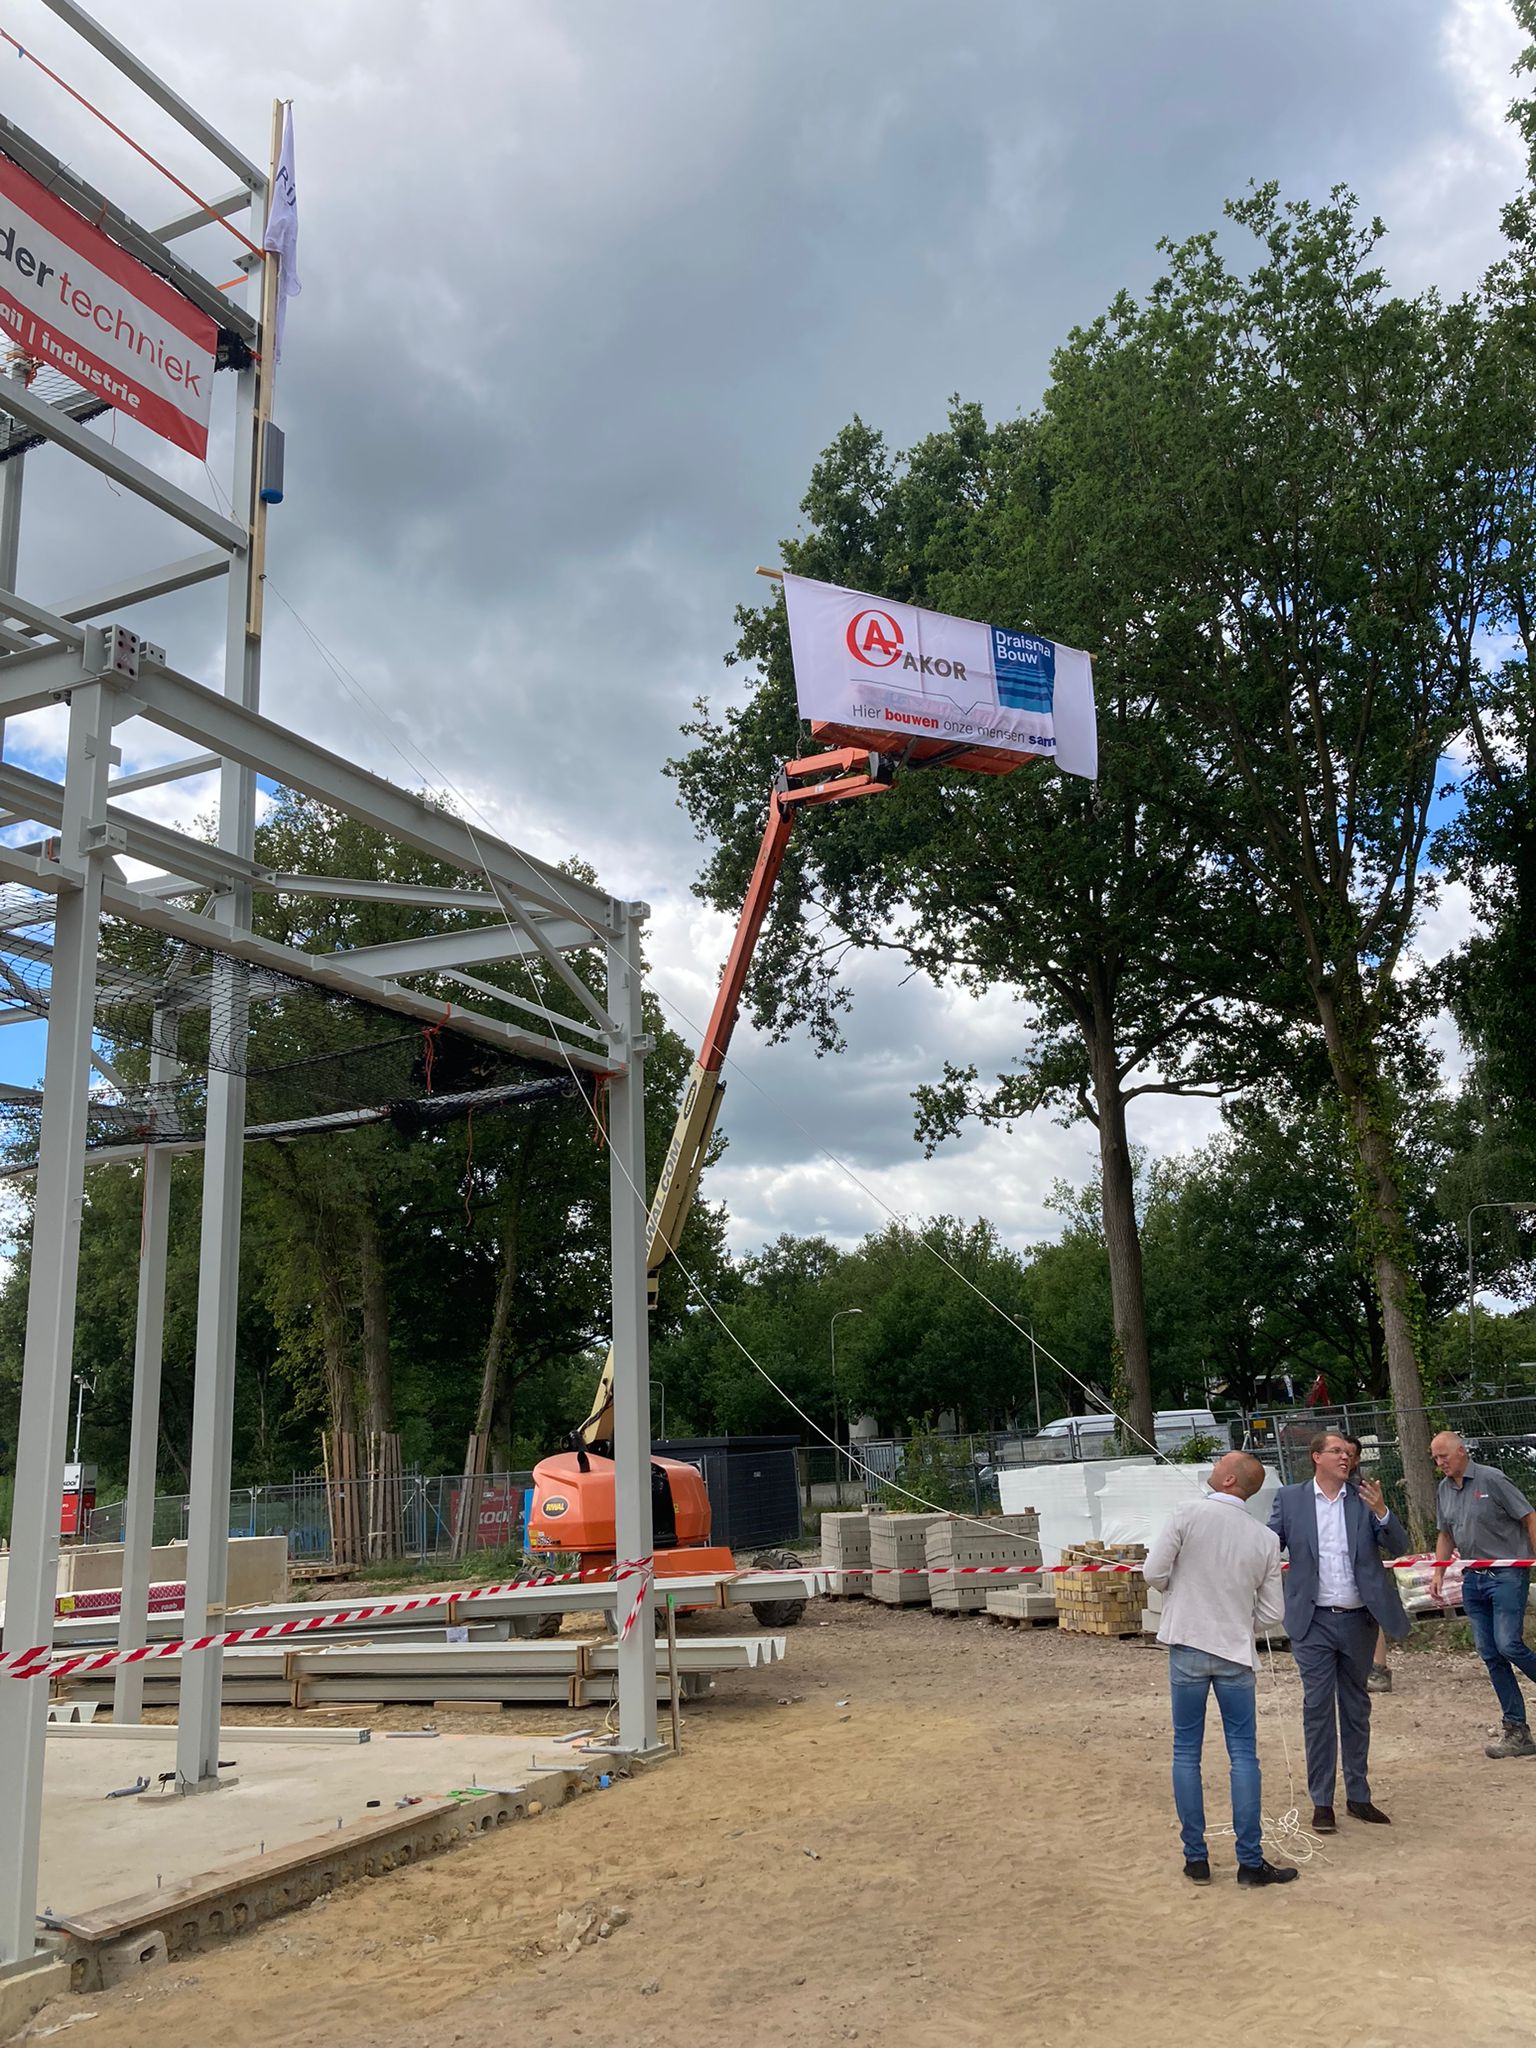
column 282, row 235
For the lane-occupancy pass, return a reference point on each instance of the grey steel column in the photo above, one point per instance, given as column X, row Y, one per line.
column 11, row 476
column 631, row 1332
column 218, row 1283
column 144, row 1439
column 48, row 1358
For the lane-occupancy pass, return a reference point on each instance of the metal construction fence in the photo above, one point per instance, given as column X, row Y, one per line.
column 961, row 1470
column 302, row 1511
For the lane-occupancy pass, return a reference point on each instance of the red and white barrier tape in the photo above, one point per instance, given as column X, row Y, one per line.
column 643, row 1568
column 47, row 1661
column 936, row 1571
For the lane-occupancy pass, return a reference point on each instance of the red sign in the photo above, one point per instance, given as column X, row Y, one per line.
column 499, row 1519
column 73, row 300
column 75, row 1511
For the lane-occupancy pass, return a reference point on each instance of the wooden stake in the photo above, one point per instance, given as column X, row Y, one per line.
column 672, row 1687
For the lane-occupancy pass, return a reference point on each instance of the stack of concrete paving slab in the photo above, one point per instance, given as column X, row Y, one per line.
column 844, row 1553
column 899, row 1542
column 1004, row 1540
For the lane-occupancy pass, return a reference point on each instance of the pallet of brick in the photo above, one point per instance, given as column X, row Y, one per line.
column 1097, row 1602
column 899, row 1543
column 845, row 1553
column 1003, row 1540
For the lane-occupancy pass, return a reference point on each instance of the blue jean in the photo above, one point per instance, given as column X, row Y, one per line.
column 1495, row 1606
column 1192, row 1675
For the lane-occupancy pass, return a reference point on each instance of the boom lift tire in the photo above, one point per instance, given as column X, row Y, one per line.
column 778, row 1613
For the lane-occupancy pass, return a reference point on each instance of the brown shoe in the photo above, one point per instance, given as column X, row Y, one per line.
column 1323, row 1822
column 1362, row 1809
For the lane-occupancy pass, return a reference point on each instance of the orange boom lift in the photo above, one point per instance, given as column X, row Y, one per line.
column 573, row 1492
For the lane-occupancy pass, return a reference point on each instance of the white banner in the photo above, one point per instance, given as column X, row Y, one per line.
column 73, row 300
column 893, row 669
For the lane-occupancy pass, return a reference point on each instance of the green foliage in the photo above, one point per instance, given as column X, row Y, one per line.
column 934, row 1472
column 1198, row 1449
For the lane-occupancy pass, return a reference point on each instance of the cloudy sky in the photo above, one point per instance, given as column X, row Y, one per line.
column 588, row 286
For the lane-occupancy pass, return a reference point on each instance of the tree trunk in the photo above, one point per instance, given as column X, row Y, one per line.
column 496, row 1342
column 1357, row 1076
column 378, row 1373
column 1122, row 1241
column 340, row 1386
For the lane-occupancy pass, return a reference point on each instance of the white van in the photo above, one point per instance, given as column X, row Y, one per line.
column 1172, row 1427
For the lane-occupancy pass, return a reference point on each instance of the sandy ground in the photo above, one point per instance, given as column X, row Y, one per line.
column 920, row 1830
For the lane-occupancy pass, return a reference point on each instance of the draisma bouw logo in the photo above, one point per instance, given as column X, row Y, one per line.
column 1025, row 667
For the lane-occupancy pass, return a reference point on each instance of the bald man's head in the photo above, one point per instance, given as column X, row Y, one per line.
column 1237, row 1473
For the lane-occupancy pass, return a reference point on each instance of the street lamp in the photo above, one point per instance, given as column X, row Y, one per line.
column 86, row 1387
column 836, row 1449
column 1520, row 1209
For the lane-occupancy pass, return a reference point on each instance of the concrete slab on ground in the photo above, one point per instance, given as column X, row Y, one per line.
column 96, row 1850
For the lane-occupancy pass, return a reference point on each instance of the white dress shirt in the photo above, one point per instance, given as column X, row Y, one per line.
column 1335, row 1574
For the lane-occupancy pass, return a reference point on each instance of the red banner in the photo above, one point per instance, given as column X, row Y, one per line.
column 74, row 301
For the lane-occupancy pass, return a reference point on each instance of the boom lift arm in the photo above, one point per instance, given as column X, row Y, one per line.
column 829, row 778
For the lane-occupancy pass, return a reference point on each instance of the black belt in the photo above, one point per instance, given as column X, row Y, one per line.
column 1361, row 1609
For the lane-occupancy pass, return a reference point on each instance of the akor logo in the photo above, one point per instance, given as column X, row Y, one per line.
column 874, row 638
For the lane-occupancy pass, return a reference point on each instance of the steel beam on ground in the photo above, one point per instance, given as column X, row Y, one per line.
column 235, row 733
column 144, row 1432
column 48, row 1356
column 631, row 1333
column 58, row 427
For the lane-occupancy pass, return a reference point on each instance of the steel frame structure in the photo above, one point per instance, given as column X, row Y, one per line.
column 61, row 653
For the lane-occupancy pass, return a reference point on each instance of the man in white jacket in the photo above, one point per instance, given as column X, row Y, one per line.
column 1219, row 1571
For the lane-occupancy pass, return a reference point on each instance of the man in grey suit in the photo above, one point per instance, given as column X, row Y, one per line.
column 1337, row 1593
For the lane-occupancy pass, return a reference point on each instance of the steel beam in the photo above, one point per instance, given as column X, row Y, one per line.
column 631, row 1333
column 325, row 970
column 155, row 88
column 48, row 1356
column 203, row 216
column 144, row 1433
column 172, row 771
column 149, row 583
column 348, row 888
column 213, row 867
column 501, row 995
column 134, row 476
column 230, row 730
column 469, row 946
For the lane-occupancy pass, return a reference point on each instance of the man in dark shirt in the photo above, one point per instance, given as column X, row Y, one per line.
column 1481, row 1514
